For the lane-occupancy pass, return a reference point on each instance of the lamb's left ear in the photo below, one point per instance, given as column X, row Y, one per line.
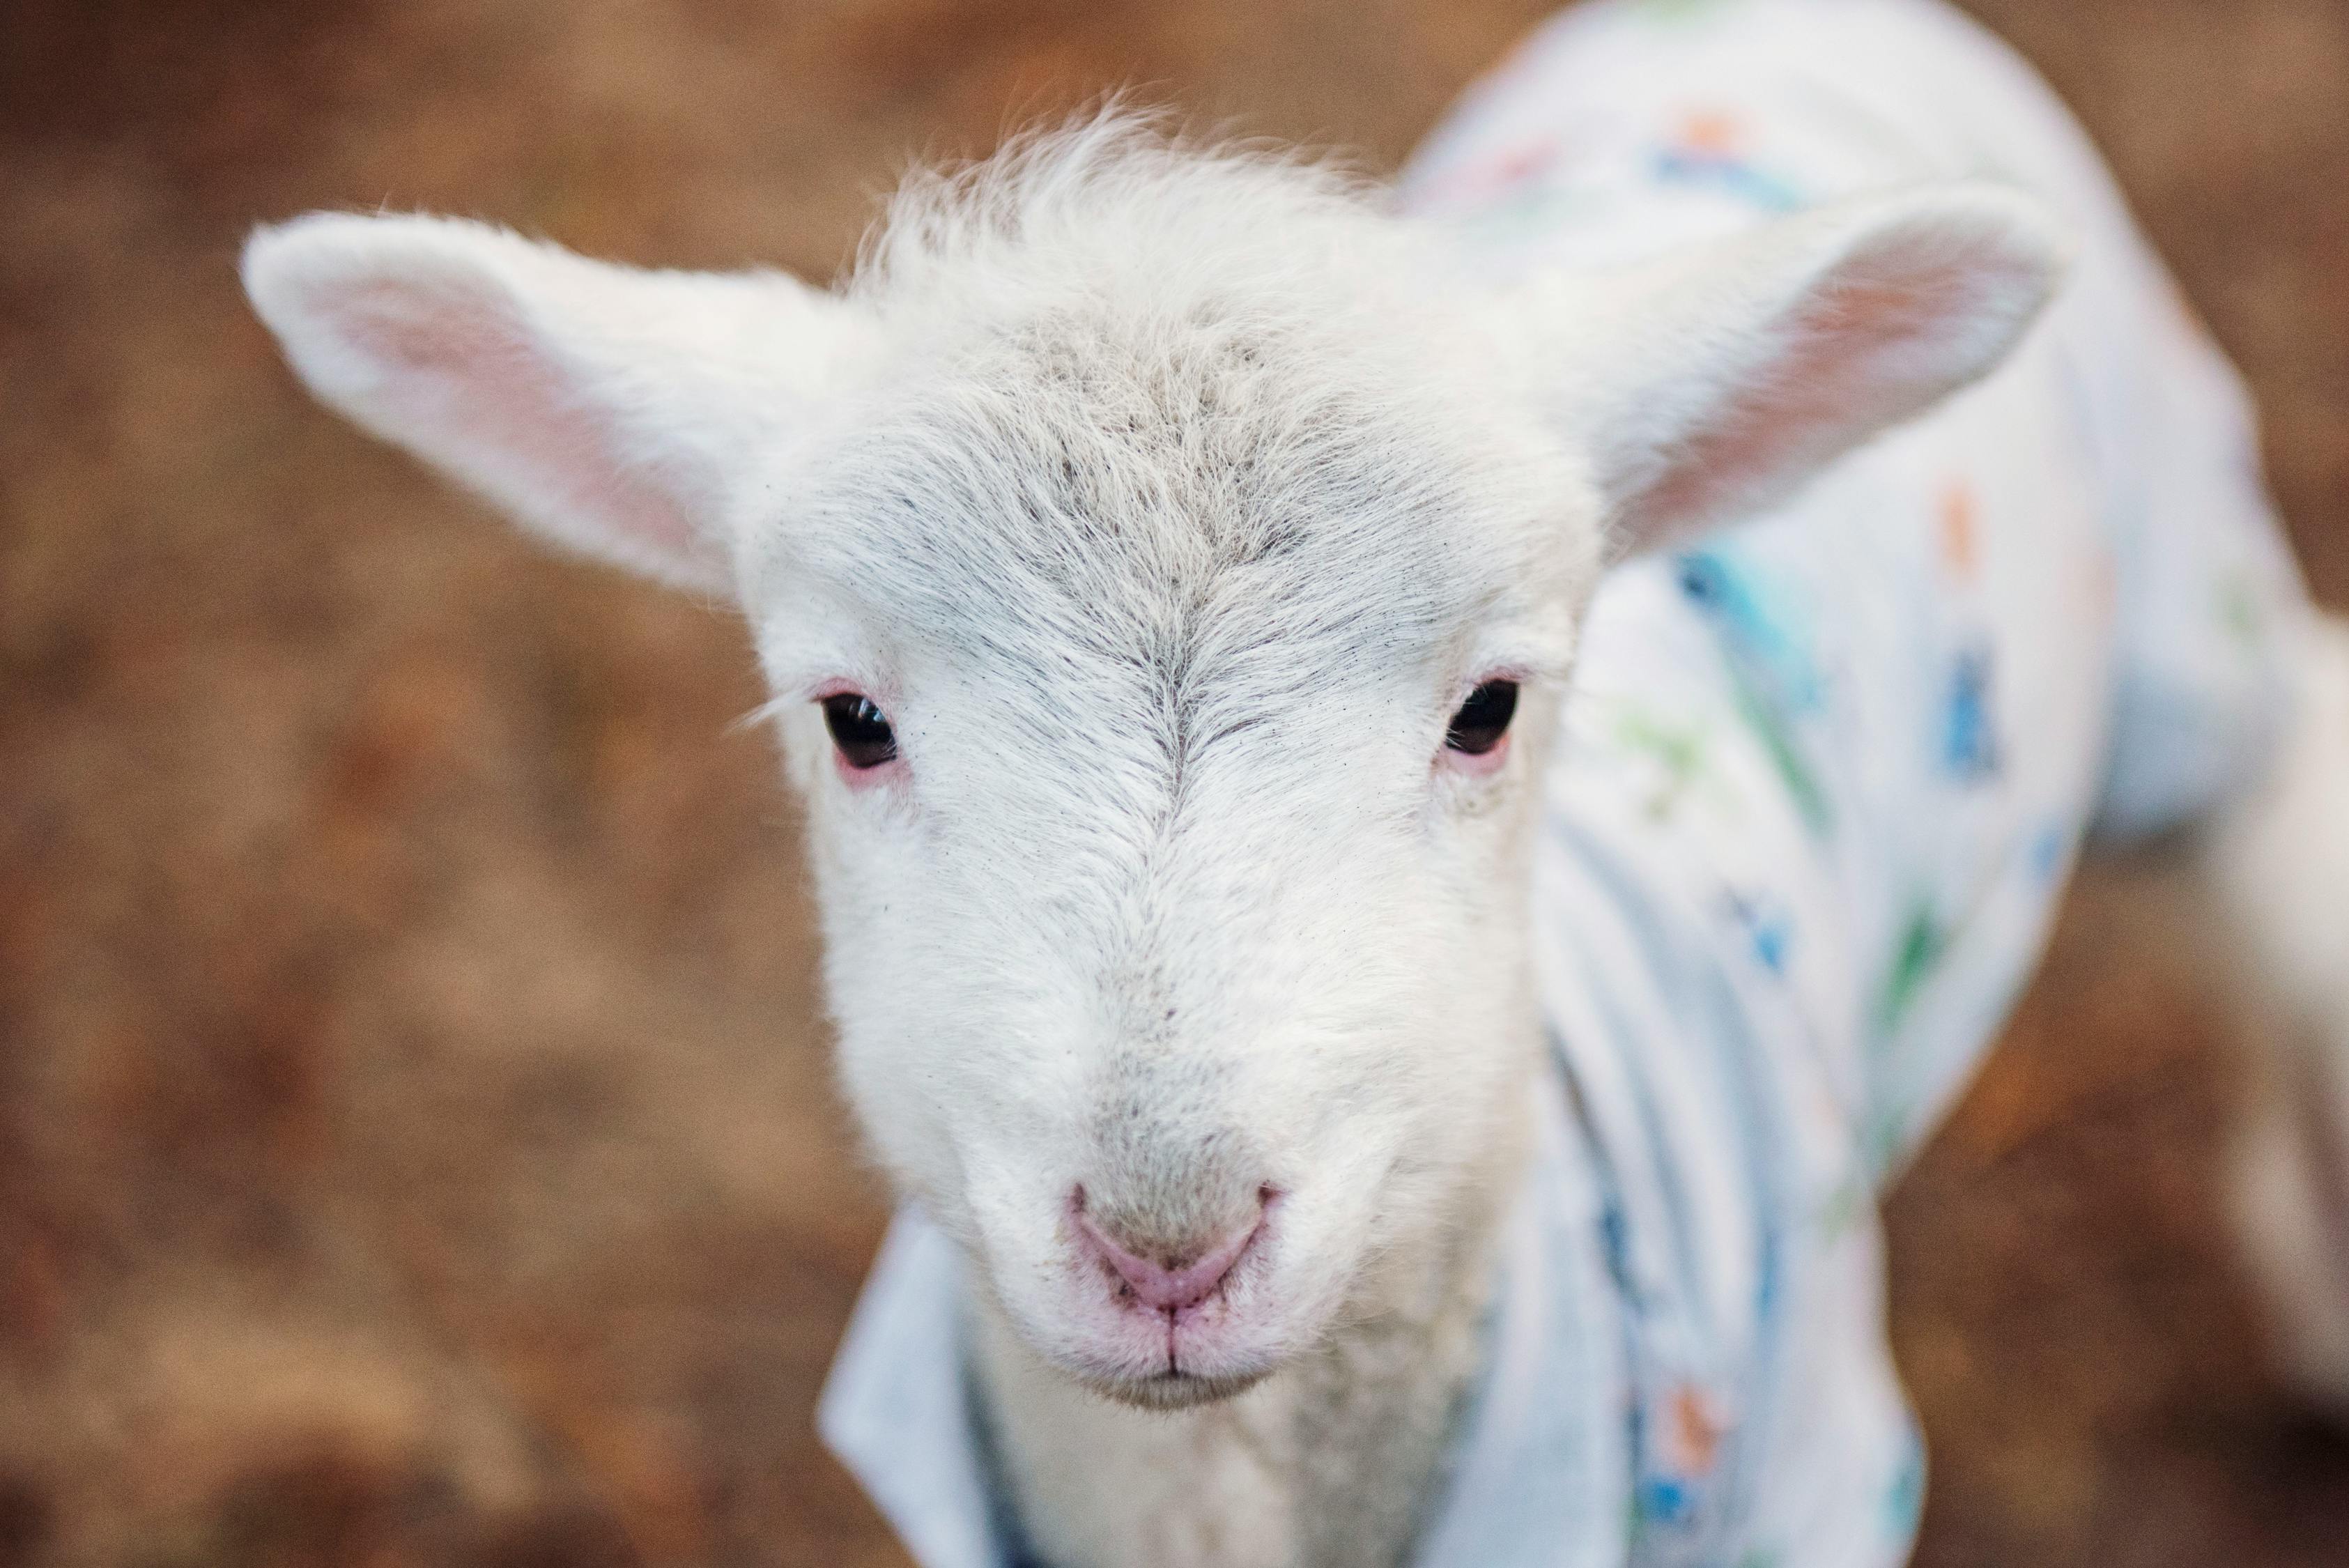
column 1710, row 386
column 605, row 406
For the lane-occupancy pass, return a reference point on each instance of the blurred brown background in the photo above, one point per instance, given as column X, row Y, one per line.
column 416, row 1146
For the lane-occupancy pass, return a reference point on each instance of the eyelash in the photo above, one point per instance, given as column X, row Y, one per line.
column 1481, row 724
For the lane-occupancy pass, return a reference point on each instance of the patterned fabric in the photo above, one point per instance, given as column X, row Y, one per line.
column 1819, row 788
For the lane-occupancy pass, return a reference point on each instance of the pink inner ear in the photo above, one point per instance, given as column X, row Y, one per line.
column 1838, row 373
column 464, row 377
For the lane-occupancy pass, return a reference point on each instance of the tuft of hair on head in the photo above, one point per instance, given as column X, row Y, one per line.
column 1119, row 205
column 1116, row 169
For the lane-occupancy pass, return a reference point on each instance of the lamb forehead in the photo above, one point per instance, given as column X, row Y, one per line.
column 1160, row 413
column 1163, row 492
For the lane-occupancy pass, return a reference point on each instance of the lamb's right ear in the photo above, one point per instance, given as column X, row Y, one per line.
column 605, row 406
column 1711, row 384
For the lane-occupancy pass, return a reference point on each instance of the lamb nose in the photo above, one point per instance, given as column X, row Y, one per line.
column 1185, row 1281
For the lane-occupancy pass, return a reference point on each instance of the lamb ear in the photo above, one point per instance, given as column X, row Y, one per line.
column 607, row 408
column 1705, row 390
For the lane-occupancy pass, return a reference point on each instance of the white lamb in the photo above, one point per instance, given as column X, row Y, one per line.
column 1385, row 947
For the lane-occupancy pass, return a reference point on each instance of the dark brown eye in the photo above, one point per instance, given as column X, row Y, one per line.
column 859, row 730
column 1484, row 719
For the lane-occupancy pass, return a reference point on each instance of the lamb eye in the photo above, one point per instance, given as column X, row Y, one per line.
column 859, row 730
column 1484, row 719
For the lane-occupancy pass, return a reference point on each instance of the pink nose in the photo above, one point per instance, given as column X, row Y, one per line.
column 1175, row 1285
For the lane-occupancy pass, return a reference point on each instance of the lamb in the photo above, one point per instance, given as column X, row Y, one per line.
column 1414, row 802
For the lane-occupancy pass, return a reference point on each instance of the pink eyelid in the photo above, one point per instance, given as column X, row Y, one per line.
column 1479, row 764
column 825, row 691
column 867, row 778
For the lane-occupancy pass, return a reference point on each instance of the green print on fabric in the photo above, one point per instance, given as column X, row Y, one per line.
column 1682, row 752
column 1852, row 1201
column 2240, row 611
column 1771, row 675
column 1529, row 209
column 1888, row 1134
column 1677, row 11
column 1923, row 939
column 1809, row 798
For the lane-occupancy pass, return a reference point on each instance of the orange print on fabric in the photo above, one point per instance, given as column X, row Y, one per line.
column 1694, row 1434
column 1961, row 530
column 1711, row 133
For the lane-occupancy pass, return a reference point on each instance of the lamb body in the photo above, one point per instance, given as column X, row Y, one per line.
column 1168, row 504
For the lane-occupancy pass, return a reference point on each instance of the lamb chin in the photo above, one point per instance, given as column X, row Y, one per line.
column 1177, row 1390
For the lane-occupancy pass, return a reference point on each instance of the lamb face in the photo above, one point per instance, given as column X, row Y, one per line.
column 1180, row 936
column 1143, row 552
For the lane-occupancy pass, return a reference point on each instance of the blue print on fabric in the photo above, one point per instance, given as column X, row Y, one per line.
column 1732, row 176
column 1769, row 927
column 1970, row 748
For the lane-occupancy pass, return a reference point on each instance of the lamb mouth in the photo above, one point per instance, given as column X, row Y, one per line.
column 1175, row 1389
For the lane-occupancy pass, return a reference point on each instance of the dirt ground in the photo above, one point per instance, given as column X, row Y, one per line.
column 416, row 1143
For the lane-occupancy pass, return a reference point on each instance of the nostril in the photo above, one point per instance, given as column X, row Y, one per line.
column 1180, row 1277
